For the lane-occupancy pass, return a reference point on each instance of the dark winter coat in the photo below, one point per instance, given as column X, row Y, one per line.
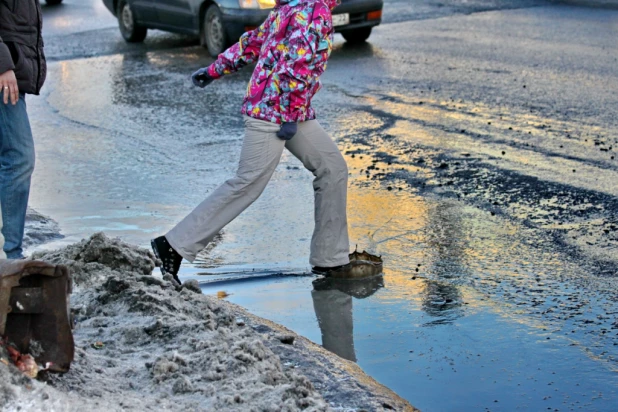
column 21, row 43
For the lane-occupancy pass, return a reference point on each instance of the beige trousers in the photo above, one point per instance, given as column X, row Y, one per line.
column 260, row 155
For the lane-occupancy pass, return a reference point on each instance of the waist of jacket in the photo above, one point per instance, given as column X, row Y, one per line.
column 23, row 38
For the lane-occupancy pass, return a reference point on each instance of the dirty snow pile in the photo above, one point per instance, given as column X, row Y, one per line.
column 146, row 343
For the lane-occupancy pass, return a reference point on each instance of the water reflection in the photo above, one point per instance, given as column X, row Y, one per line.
column 131, row 78
column 447, row 238
column 441, row 300
column 332, row 302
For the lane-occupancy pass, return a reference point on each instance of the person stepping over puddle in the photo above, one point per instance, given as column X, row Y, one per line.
column 291, row 48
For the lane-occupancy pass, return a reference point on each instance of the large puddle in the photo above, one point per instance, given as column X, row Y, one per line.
column 473, row 311
column 470, row 313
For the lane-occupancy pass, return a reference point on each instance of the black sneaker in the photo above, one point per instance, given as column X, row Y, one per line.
column 328, row 271
column 169, row 258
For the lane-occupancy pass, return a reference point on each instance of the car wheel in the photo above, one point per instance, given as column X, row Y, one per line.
column 215, row 38
column 357, row 36
column 130, row 30
column 53, row 2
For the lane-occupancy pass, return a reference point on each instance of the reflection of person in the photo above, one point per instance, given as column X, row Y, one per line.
column 332, row 302
column 291, row 49
column 22, row 70
column 333, row 309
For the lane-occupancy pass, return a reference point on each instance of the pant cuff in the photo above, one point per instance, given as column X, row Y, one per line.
column 329, row 263
column 188, row 256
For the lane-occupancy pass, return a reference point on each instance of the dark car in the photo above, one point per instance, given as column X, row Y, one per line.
column 220, row 23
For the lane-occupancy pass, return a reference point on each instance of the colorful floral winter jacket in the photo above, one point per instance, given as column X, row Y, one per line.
column 292, row 47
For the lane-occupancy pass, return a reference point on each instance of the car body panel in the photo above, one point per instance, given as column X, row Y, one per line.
column 144, row 9
column 175, row 13
column 110, row 6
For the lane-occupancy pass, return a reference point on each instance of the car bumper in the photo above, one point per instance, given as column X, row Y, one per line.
column 239, row 21
column 358, row 11
column 110, row 6
column 358, row 25
column 358, row 6
column 249, row 17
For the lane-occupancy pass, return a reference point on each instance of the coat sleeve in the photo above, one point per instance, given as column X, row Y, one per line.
column 245, row 52
column 304, row 61
column 6, row 60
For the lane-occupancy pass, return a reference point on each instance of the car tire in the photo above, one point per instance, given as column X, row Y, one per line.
column 130, row 30
column 357, row 36
column 214, row 37
column 53, row 2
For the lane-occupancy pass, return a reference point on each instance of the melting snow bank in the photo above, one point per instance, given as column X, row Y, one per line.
column 145, row 343
column 39, row 229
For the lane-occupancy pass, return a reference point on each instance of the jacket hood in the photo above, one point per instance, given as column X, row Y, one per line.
column 330, row 3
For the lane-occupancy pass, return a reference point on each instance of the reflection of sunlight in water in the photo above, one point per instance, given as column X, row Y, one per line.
column 400, row 227
column 439, row 321
column 482, row 130
column 432, row 249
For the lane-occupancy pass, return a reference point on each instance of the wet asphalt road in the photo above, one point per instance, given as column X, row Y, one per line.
column 481, row 141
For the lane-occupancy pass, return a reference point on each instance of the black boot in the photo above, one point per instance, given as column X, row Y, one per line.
column 328, row 271
column 169, row 258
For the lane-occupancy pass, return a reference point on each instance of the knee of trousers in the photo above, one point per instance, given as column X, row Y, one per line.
column 23, row 166
column 334, row 170
column 250, row 185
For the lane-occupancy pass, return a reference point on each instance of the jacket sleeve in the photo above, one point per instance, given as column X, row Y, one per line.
column 245, row 52
column 6, row 61
column 303, row 63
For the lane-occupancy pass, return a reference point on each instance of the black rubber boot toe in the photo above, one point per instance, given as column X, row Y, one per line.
column 170, row 259
column 328, row 271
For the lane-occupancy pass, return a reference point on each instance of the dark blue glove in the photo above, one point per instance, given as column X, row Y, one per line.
column 287, row 131
column 201, row 78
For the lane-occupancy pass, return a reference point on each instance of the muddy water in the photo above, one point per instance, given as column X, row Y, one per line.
column 472, row 312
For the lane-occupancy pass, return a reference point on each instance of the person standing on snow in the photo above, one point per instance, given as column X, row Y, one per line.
column 22, row 70
column 291, row 49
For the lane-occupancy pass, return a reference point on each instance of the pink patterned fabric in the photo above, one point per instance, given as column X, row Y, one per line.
column 292, row 47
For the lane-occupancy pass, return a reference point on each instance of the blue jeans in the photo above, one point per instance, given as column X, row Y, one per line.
column 16, row 166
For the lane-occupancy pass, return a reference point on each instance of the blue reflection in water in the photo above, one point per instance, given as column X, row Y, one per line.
column 471, row 314
column 332, row 302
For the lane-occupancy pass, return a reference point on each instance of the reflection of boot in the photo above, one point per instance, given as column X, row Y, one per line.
column 357, row 288
column 334, row 312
